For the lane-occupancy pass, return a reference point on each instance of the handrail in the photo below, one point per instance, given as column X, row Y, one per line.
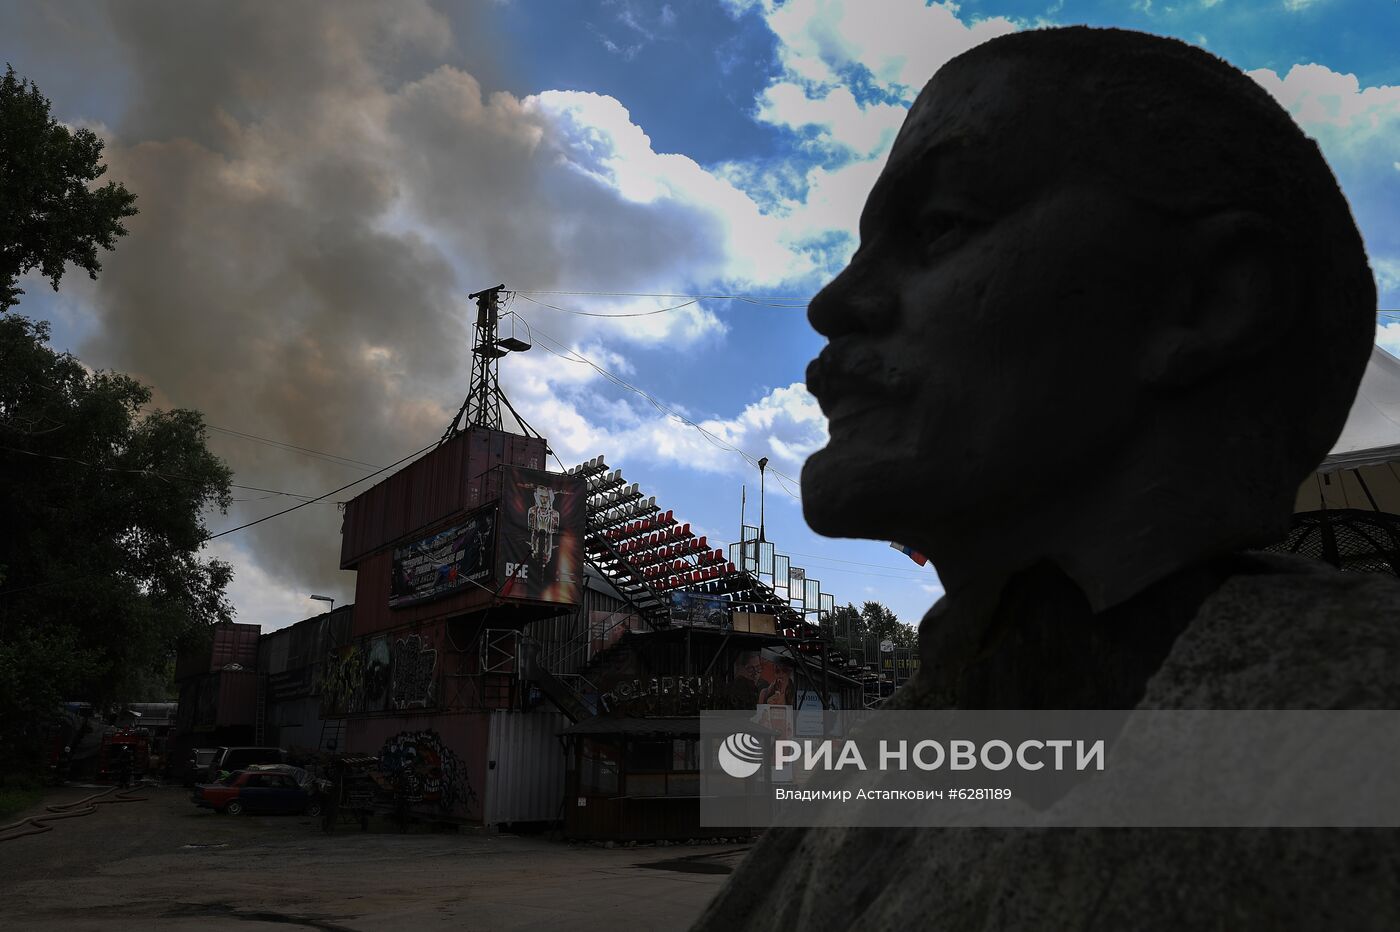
column 567, row 651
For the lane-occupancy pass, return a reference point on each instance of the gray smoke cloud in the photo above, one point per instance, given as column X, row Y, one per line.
column 319, row 187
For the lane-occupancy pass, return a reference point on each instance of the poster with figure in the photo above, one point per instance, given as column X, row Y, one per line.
column 540, row 550
column 763, row 677
column 445, row 561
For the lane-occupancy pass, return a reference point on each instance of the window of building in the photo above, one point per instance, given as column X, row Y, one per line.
column 684, row 756
column 649, row 756
column 598, row 768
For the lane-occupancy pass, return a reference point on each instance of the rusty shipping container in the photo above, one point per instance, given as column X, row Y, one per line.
column 451, row 480
column 230, row 643
column 238, row 698
column 373, row 614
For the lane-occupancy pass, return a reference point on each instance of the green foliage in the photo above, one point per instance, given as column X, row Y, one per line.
column 102, row 502
column 16, row 799
column 872, row 620
column 49, row 213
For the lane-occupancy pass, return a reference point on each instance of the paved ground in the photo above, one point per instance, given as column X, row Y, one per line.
column 164, row 864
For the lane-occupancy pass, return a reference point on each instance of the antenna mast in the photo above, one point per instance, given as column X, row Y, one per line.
column 482, row 407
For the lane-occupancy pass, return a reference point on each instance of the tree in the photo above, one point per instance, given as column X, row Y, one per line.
column 884, row 625
column 872, row 621
column 49, row 214
column 102, row 502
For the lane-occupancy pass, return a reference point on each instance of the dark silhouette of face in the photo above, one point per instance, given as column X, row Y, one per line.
column 985, row 337
column 751, row 668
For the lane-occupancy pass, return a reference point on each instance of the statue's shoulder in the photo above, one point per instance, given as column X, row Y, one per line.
column 1287, row 632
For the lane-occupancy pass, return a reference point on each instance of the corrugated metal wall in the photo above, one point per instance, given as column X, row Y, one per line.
column 296, row 723
column 237, row 698
column 570, row 628
column 524, row 767
column 447, row 481
column 228, row 643
column 273, row 649
column 305, row 643
column 235, row 643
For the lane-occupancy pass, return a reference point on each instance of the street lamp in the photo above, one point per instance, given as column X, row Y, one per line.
column 323, row 598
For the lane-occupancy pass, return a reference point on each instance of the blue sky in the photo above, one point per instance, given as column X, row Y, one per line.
column 322, row 185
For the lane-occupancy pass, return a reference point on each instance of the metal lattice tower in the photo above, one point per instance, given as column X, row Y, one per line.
column 482, row 407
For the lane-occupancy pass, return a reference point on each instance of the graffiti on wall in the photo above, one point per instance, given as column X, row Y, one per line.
column 342, row 678
column 374, row 684
column 422, row 769
column 378, row 674
column 414, row 664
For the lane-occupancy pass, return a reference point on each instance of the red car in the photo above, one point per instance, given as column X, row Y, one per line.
column 270, row 789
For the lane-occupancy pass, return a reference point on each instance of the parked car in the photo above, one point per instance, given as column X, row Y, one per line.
column 315, row 785
column 197, row 766
column 263, row 790
column 227, row 760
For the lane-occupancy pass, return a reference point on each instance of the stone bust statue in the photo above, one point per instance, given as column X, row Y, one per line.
column 1108, row 310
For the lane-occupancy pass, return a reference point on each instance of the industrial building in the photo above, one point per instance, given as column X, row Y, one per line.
column 529, row 645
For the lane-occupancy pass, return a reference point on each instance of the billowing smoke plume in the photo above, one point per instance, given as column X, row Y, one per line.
column 319, row 187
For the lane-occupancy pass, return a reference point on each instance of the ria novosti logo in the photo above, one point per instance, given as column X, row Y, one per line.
column 740, row 755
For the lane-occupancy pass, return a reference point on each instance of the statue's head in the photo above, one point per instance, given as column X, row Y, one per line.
column 1103, row 277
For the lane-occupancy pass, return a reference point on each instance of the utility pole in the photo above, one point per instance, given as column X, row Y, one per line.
column 762, row 465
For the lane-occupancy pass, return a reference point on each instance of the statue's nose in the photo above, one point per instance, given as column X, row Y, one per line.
column 856, row 301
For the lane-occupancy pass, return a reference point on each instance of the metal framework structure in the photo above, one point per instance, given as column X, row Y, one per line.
column 1353, row 540
column 482, row 406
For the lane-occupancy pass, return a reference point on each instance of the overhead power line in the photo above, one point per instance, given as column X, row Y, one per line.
column 662, row 294
column 690, row 299
column 278, row 514
column 145, row 472
column 573, row 355
column 331, row 457
column 659, row 310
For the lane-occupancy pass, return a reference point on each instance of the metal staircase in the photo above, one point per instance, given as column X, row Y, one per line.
column 627, row 580
column 567, row 698
column 645, row 554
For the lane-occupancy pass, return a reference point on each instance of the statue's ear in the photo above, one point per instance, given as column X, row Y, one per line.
column 1233, row 273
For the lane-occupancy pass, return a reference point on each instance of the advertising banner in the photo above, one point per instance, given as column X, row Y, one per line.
column 540, row 553
column 697, row 610
column 763, row 677
column 437, row 565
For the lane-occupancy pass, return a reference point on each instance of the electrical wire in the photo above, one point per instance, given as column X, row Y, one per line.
column 920, row 573
column 278, row 514
column 573, row 355
column 331, row 457
column 660, row 310
column 147, row 472
column 768, row 300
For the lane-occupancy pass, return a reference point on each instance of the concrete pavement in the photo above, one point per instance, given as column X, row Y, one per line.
column 163, row 864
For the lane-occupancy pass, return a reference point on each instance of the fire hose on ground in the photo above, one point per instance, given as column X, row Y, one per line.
column 37, row 825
